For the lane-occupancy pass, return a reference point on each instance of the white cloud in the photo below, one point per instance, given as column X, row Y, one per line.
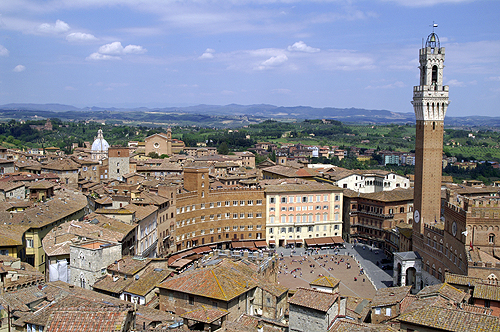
column 425, row 3
column 80, row 36
column 300, row 46
column 397, row 84
column 113, row 51
column 98, row 56
column 134, row 49
column 208, row 54
column 346, row 60
column 456, row 83
column 69, row 88
column 116, row 48
column 273, row 61
column 19, row 68
column 56, row 28
column 494, row 78
column 3, row 51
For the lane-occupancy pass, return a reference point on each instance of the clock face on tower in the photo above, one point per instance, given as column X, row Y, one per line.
column 416, row 216
column 454, row 228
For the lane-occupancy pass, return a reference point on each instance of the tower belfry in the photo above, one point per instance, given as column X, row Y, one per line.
column 430, row 102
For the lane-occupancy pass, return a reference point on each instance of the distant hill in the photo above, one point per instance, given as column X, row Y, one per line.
column 231, row 115
column 39, row 107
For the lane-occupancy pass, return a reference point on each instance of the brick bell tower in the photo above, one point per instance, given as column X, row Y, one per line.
column 430, row 102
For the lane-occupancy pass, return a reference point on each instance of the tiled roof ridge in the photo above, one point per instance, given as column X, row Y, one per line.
column 460, row 310
column 316, row 291
column 218, row 283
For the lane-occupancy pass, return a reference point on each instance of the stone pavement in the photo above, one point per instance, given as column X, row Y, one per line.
column 299, row 269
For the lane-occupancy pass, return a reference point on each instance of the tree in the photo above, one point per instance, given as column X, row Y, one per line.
column 272, row 156
column 223, row 148
column 153, row 155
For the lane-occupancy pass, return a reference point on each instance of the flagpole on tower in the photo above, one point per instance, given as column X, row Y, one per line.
column 434, row 25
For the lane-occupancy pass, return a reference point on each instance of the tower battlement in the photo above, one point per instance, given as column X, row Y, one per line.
column 431, row 50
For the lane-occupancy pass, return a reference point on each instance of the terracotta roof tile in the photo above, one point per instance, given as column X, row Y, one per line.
column 389, row 296
column 291, row 172
column 397, row 194
column 89, row 318
column 147, row 281
column 295, row 185
column 459, row 279
column 347, row 325
column 205, row 315
column 12, row 235
column 451, row 319
column 57, row 241
column 487, row 292
column 223, row 281
column 357, row 306
column 313, row 299
column 129, row 265
column 445, row 290
column 326, row 282
column 113, row 284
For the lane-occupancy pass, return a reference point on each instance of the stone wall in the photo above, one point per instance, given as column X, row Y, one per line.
column 89, row 260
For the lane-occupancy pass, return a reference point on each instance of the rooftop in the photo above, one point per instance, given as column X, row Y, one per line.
column 451, row 319
column 313, row 299
column 389, row 296
column 325, row 281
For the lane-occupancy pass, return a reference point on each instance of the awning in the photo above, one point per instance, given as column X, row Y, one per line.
column 260, row 244
column 202, row 250
column 248, row 244
column 173, row 258
column 311, row 242
column 272, row 242
column 181, row 263
column 338, row 239
column 322, row 241
column 187, row 253
column 236, row 245
column 242, row 244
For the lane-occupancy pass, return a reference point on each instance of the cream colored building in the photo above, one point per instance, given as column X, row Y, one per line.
column 299, row 209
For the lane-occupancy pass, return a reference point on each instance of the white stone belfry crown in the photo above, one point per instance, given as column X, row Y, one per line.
column 430, row 98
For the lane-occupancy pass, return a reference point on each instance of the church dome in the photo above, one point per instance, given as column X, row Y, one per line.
column 100, row 144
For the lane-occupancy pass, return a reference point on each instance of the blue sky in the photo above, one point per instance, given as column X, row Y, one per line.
column 320, row 53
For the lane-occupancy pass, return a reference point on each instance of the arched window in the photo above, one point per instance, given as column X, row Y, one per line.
column 82, row 281
column 423, row 71
column 434, row 74
column 491, row 238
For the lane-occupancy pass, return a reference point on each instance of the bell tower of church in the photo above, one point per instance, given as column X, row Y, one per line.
column 169, row 141
column 430, row 102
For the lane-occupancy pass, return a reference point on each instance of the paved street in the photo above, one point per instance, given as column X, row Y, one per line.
column 299, row 269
